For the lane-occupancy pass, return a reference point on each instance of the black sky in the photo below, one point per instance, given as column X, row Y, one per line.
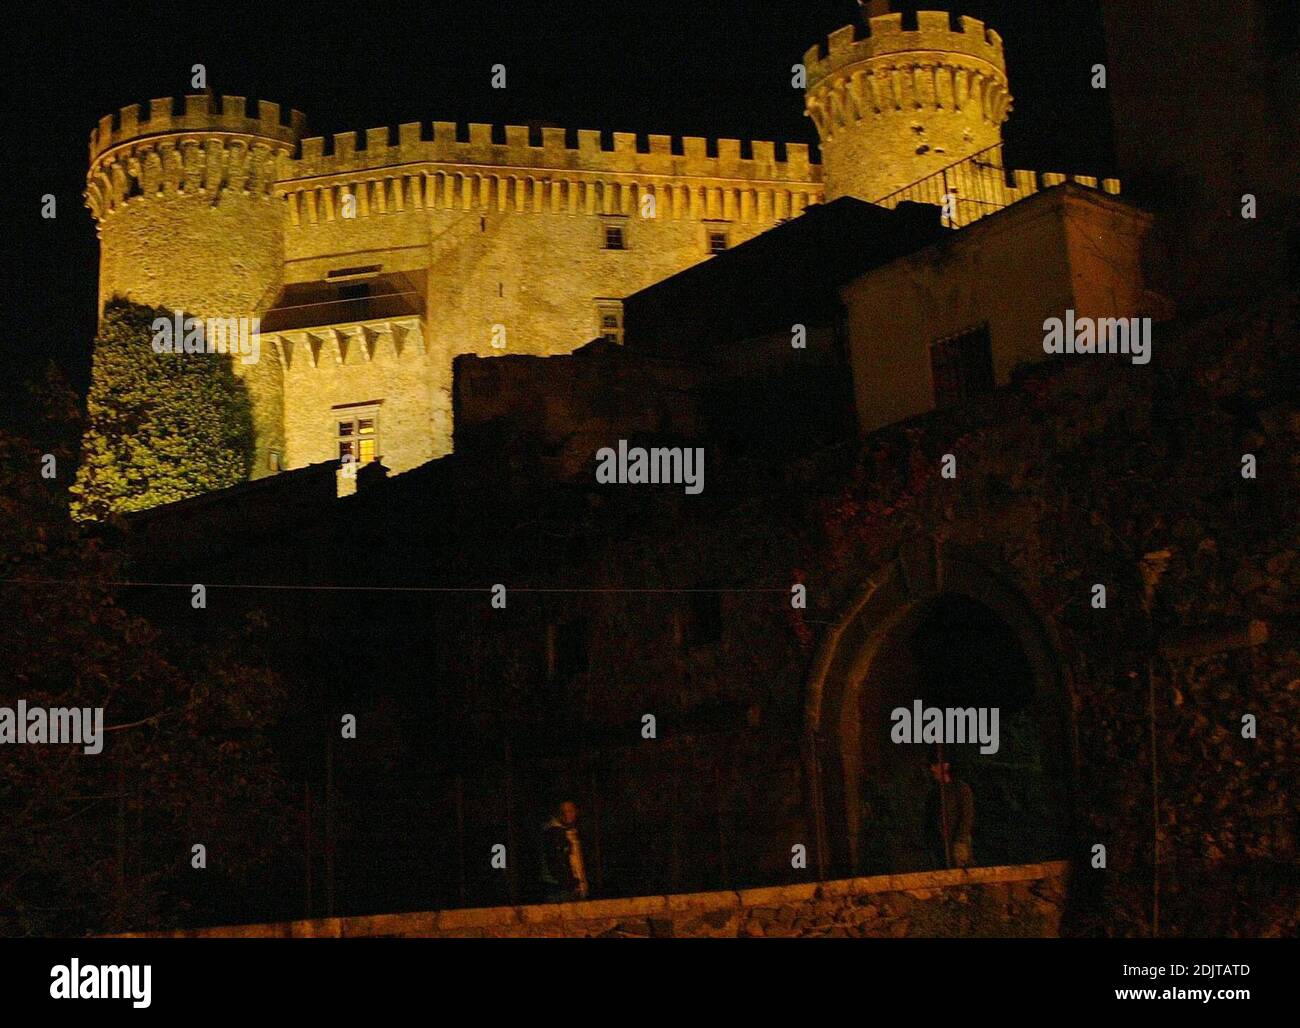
column 711, row 68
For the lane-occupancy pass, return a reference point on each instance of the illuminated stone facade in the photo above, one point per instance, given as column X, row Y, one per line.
column 512, row 240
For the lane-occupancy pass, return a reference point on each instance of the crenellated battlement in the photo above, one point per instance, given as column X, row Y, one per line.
column 512, row 236
column 199, row 113
column 549, row 149
column 895, row 104
column 934, row 37
column 931, row 67
column 205, row 149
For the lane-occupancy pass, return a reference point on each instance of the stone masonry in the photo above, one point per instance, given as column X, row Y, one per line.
column 990, row 902
column 218, row 210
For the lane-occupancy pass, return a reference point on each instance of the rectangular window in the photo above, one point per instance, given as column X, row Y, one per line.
column 358, row 436
column 614, row 237
column 718, row 240
column 609, row 320
column 962, row 366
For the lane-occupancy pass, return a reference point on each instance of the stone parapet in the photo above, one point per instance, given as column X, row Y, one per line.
column 1018, row 900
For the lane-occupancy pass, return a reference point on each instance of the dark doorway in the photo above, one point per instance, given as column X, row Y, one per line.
column 954, row 652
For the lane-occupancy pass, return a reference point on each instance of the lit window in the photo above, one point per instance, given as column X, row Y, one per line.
column 358, row 439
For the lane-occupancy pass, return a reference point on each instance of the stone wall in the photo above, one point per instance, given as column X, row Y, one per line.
column 989, row 902
column 550, row 417
column 1068, row 248
column 894, row 106
column 212, row 211
column 382, row 364
column 198, row 232
column 1079, row 472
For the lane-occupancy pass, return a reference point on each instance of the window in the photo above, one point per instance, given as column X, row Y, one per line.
column 609, row 320
column 962, row 366
column 613, row 232
column 718, row 240
column 358, row 435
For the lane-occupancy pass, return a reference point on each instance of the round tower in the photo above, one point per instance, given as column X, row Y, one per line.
column 892, row 107
column 188, row 219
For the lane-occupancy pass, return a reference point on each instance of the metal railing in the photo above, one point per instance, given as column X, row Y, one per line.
column 980, row 184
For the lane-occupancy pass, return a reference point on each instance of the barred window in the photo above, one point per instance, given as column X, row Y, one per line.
column 962, row 366
column 614, row 237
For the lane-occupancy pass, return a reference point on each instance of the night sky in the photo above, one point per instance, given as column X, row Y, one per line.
column 708, row 68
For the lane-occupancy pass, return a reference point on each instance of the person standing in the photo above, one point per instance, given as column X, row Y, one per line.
column 564, row 872
column 949, row 816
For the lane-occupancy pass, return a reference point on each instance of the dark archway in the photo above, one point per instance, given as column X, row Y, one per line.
column 954, row 652
column 949, row 632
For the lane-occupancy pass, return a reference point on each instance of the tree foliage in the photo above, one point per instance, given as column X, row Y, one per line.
column 102, row 842
column 162, row 426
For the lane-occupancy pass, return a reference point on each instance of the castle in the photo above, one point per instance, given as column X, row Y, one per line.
column 373, row 266
column 773, row 726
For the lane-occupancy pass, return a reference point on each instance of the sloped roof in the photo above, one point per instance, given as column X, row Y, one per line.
column 769, row 280
column 308, row 304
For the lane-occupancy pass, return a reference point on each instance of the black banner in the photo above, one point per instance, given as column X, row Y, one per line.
column 170, row 977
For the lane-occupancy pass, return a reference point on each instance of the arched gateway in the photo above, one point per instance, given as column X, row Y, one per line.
column 939, row 627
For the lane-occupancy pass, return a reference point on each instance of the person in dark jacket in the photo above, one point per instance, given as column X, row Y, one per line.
column 564, row 872
column 949, row 816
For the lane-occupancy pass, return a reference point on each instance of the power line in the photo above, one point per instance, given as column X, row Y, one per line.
column 377, row 588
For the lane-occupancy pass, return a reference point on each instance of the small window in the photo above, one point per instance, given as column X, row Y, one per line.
column 358, row 438
column 718, row 240
column 614, row 237
column 962, row 366
column 609, row 317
